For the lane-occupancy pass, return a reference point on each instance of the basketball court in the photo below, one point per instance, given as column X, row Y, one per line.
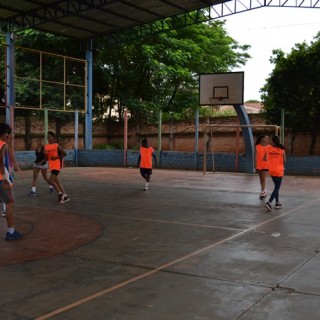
column 194, row 246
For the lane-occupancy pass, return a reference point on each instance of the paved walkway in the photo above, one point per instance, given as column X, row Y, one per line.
column 192, row 247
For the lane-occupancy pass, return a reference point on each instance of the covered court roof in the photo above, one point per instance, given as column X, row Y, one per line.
column 87, row 19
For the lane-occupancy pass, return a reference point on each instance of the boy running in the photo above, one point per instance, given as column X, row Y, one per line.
column 145, row 161
column 55, row 154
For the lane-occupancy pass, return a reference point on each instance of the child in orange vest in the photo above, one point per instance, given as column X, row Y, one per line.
column 261, row 163
column 145, row 161
column 55, row 154
column 276, row 159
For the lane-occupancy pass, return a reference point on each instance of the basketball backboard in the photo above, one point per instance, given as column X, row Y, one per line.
column 221, row 88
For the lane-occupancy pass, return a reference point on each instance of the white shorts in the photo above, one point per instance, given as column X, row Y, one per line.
column 41, row 166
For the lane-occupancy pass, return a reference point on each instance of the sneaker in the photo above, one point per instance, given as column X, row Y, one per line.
column 263, row 195
column 32, row 194
column 268, row 206
column 59, row 197
column 278, row 205
column 3, row 213
column 64, row 199
column 146, row 186
column 13, row 236
column 51, row 190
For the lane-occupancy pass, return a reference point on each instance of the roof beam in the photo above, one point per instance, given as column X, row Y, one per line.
column 171, row 4
column 124, row 20
column 204, row 15
column 137, row 7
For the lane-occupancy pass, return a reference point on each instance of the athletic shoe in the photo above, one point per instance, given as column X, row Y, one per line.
column 13, row 236
column 51, row 190
column 4, row 213
column 146, row 186
column 278, row 205
column 64, row 199
column 263, row 195
column 32, row 194
column 59, row 197
column 268, row 206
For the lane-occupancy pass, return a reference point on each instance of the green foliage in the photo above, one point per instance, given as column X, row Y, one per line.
column 160, row 72
column 117, row 145
column 214, row 112
column 225, row 113
column 294, row 85
column 252, row 101
column 58, row 89
column 103, row 146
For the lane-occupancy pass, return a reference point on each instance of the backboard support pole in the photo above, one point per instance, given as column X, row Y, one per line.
column 247, row 136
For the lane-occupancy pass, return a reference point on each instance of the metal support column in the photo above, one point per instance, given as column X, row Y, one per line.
column 247, row 137
column 10, row 90
column 125, row 137
column 76, row 136
column 282, row 126
column 88, row 116
column 159, row 136
column 196, row 144
column 46, row 124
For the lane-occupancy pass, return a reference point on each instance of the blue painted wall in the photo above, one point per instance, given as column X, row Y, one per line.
column 224, row 162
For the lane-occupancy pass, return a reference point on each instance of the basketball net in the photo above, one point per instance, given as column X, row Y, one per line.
column 216, row 101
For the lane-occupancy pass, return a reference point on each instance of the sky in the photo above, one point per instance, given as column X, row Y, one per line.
column 266, row 29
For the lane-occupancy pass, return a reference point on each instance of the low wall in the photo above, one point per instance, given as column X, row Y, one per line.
column 224, row 162
column 178, row 136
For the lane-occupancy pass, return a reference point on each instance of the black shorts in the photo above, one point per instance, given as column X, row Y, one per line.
column 145, row 171
column 55, row 172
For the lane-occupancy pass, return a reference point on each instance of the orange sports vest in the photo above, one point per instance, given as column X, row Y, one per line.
column 52, row 151
column 261, row 152
column 146, row 157
column 275, row 160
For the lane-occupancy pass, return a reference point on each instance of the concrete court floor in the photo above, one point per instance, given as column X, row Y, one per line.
column 192, row 247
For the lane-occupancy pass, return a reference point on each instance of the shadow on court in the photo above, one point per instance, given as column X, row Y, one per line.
column 194, row 246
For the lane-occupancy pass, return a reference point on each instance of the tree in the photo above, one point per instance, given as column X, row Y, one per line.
column 294, row 85
column 52, row 92
column 161, row 71
column 158, row 72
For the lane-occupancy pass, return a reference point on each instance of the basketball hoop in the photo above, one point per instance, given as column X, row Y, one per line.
column 216, row 101
column 221, row 88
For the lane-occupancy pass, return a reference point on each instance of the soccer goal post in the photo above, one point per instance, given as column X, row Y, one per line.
column 208, row 137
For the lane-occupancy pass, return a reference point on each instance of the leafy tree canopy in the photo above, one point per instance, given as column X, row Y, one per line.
column 161, row 71
column 28, row 72
column 294, row 85
column 158, row 72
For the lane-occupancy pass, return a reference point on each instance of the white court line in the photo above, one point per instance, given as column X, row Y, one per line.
column 165, row 266
column 145, row 219
column 170, row 222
